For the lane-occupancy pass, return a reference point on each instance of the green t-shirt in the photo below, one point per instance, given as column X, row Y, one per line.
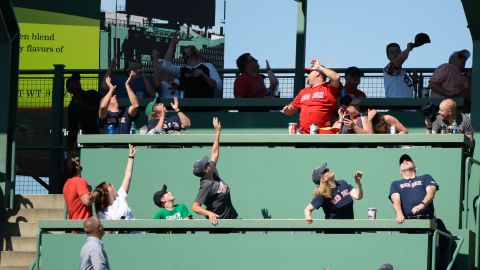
column 180, row 211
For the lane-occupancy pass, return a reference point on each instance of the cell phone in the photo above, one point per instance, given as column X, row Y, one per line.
column 347, row 116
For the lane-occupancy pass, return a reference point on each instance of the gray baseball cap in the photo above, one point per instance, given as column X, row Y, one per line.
column 318, row 172
column 199, row 166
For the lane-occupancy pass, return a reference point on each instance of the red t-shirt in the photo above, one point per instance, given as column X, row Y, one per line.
column 317, row 105
column 355, row 92
column 72, row 190
column 246, row 86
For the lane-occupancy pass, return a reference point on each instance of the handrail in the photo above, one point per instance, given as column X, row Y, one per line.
column 469, row 162
column 36, row 261
column 455, row 253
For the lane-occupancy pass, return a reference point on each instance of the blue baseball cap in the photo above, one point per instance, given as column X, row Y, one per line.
column 318, row 172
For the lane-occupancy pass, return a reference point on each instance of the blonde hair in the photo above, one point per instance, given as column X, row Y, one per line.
column 322, row 189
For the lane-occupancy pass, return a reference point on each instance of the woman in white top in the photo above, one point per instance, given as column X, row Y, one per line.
column 112, row 204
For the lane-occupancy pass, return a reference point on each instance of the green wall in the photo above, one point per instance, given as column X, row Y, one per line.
column 278, row 178
column 251, row 250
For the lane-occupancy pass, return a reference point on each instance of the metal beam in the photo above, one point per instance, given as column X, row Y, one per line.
column 9, row 53
column 300, row 46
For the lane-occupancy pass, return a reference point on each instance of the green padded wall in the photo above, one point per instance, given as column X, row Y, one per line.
column 278, row 178
column 251, row 250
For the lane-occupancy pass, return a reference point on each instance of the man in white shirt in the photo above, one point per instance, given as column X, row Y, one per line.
column 397, row 82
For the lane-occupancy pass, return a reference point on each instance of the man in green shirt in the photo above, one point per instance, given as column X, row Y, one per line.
column 169, row 211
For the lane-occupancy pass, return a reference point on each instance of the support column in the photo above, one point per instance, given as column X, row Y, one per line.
column 299, row 82
column 9, row 53
column 56, row 151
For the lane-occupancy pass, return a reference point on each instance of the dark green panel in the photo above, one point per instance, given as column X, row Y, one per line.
column 252, row 250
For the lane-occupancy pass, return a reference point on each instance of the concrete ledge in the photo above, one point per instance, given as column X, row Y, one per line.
column 248, row 224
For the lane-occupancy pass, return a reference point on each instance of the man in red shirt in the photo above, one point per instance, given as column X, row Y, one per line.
column 76, row 191
column 249, row 84
column 317, row 102
column 352, row 80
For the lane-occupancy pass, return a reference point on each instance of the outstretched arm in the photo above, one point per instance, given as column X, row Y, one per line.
column 103, row 109
column 133, row 109
column 128, row 170
column 402, row 57
column 183, row 117
column 171, row 47
column 112, row 64
column 334, row 77
column 216, row 142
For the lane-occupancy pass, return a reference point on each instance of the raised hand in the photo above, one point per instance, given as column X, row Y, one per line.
column 267, row 64
column 358, row 176
column 131, row 150
column 176, row 37
column 175, row 104
column 216, row 124
column 130, row 77
column 108, row 80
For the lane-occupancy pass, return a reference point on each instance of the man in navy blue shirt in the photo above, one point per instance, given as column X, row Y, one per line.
column 412, row 196
column 335, row 197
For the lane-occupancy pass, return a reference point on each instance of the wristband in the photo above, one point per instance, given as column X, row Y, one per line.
column 422, row 203
column 132, row 157
column 178, row 111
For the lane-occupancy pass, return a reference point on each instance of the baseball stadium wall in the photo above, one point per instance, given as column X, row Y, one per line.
column 270, row 181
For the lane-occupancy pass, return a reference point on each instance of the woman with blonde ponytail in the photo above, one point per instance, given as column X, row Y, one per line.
column 334, row 196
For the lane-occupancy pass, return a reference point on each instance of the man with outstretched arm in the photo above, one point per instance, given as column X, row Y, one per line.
column 214, row 193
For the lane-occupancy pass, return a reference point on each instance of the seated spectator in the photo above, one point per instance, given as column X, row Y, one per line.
column 76, row 191
column 111, row 204
column 448, row 116
column 167, row 85
column 169, row 211
column 250, row 84
column 317, row 102
column 112, row 119
column 197, row 79
column 350, row 119
column 352, row 80
column 398, row 83
column 382, row 124
column 448, row 80
column 335, row 197
column 159, row 123
column 139, row 82
column 82, row 110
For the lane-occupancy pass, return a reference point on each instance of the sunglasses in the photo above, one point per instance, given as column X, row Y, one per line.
column 326, row 170
column 461, row 56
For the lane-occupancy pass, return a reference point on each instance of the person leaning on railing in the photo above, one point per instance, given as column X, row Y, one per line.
column 379, row 123
column 335, row 197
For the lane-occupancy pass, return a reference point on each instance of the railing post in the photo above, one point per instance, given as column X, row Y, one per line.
column 299, row 81
column 56, row 130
